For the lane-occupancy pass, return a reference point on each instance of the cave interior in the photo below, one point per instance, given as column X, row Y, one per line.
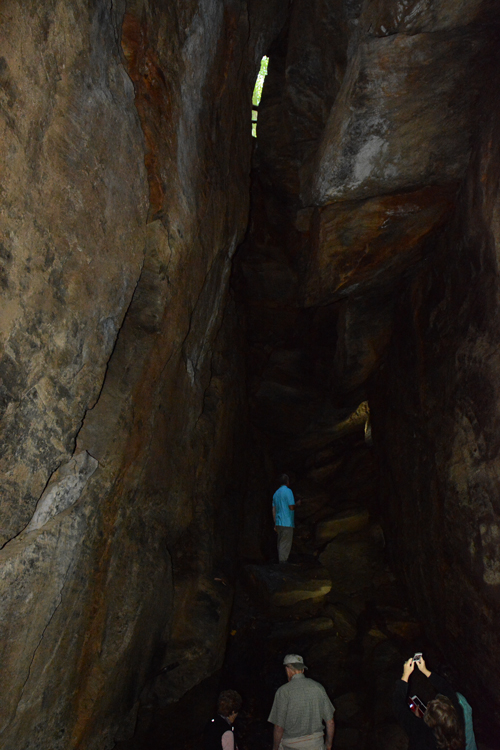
column 203, row 288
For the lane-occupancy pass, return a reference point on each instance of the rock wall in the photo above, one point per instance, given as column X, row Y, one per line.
column 435, row 422
column 371, row 273
column 369, row 267
column 126, row 150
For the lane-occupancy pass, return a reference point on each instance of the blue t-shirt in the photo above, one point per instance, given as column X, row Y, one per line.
column 282, row 498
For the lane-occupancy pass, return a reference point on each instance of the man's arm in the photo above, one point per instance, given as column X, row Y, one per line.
column 274, row 517
column 330, row 730
column 277, row 736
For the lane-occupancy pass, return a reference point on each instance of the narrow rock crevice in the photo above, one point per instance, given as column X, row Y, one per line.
column 187, row 312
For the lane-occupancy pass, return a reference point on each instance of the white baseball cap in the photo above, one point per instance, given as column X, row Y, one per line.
column 295, row 661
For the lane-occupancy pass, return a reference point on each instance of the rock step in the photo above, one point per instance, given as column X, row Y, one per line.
column 347, row 521
column 287, row 584
column 355, row 561
column 283, row 630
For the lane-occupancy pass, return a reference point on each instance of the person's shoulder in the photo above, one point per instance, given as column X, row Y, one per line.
column 314, row 684
column 214, row 726
column 284, row 689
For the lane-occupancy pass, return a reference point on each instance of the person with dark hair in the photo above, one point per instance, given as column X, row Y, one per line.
column 441, row 727
column 283, row 515
column 442, row 717
column 220, row 731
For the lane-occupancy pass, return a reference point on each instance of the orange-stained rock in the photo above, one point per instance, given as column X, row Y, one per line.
column 125, row 148
column 373, row 240
column 435, row 419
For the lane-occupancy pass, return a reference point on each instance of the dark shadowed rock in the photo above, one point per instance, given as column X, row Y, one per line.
column 125, row 145
column 327, row 662
column 353, row 561
column 348, row 521
column 285, row 584
column 390, row 737
column 302, row 627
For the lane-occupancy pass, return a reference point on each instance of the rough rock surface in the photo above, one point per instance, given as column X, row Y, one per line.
column 440, row 469
column 284, row 585
column 370, row 273
column 351, row 647
column 133, row 474
column 73, row 212
column 126, row 149
column 352, row 520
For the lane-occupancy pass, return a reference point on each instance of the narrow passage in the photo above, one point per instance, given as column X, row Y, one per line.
column 338, row 604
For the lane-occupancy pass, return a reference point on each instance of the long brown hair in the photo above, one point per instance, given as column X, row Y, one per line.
column 442, row 717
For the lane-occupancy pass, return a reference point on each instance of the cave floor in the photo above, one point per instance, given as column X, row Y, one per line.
column 354, row 642
column 354, row 639
column 337, row 603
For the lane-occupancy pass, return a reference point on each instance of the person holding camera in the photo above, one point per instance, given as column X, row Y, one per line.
column 441, row 727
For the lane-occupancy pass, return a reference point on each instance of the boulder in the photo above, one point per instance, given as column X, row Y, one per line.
column 344, row 621
column 357, row 242
column 386, row 138
column 353, row 561
column 284, row 585
column 390, row 737
column 347, row 707
column 327, row 662
column 284, row 630
column 349, row 520
column 348, row 738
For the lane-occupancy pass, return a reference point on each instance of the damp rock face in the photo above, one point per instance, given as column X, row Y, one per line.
column 445, row 476
column 284, row 585
column 362, row 321
column 371, row 185
column 126, row 146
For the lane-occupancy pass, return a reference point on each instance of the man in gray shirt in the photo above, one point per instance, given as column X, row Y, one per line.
column 300, row 707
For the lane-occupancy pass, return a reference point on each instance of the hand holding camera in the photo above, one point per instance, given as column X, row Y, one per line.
column 416, row 660
column 408, row 668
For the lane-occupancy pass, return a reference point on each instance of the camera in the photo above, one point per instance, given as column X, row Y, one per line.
column 417, row 706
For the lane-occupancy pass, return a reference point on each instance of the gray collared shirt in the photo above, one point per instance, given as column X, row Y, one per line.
column 300, row 707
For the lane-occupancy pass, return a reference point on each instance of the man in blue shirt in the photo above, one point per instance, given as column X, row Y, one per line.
column 283, row 514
